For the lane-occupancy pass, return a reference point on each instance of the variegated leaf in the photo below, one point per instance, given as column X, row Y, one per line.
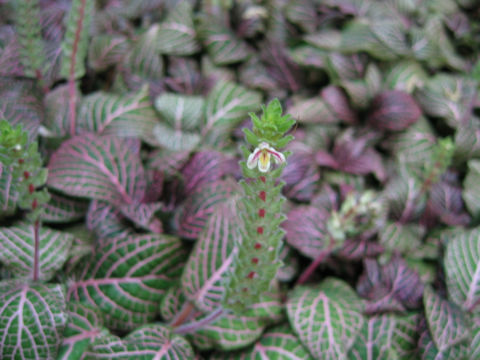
column 32, row 318
column 101, row 168
column 127, row 277
column 204, row 275
column 221, row 43
column 61, row 209
column 106, row 50
column 447, row 326
column 204, row 167
column 471, row 188
column 176, row 35
column 8, row 192
column 106, row 221
column 143, row 215
column 182, row 116
column 231, row 331
column 228, row 103
column 392, row 287
column 18, row 251
column 123, row 116
column 462, row 268
column 153, row 341
column 306, row 230
column 192, row 217
column 327, row 318
column 85, row 324
column 375, row 340
column 278, row 343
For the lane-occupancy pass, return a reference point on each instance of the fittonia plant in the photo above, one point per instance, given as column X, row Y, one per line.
column 257, row 258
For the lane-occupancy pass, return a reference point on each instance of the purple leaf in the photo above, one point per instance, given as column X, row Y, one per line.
column 393, row 110
column 127, row 277
column 280, row 66
column 106, row 221
column 106, row 50
column 445, row 201
column 99, row 168
column 9, row 54
column 32, row 318
column 358, row 249
column 56, row 110
column 391, row 287
column 301, row 176
column 18, row 250
column 199, row 206
column 338, row 102
column 306, row 230
column 204, row 167
column 20, row 103
column 353, row 154
column 184, row 76
column 205, row 272
column 143, row 215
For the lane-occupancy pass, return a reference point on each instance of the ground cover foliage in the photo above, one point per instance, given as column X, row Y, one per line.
column 119, row 178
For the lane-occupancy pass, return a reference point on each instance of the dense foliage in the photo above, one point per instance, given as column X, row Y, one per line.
column 125, row 224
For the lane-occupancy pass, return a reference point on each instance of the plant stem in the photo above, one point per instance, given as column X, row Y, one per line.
column 183, row 315
column 305, row 276
column 72, row 92
column 195, row 325
column 36, row 235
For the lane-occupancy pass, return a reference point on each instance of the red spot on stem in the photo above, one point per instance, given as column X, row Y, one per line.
column 262, row 178
column 31, row 188
column 21, row 161
column 245, row 289
column 258, row 246
column 26, row 175
column 255, row 260
column 34, row 204
column 251, row 274
column 261, row 213
column 260, row 230
column 263, row 195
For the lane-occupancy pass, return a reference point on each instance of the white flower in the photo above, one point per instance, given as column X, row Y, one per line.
column 261, row 156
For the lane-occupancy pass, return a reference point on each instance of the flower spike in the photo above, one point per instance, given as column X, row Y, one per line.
column 256, row 260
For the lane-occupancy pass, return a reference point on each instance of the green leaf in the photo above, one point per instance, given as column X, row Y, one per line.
column 153, row 341
column 462, row 268
column 75, row 42
column 204, row 275
column 18, row 250
column 119, row 115
column 8, row 192
column 447, row 326
column 182, row 116
column 176, row 35
column 222, row 44
column 231, row 331
column 471, row 184
column 375, row 339
column 278, row 343
column 27, row 25
column 106, row 50
column 229, row 103
column 127, row 277
column 32, row 318
column 327, row 318
column 85, row 325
